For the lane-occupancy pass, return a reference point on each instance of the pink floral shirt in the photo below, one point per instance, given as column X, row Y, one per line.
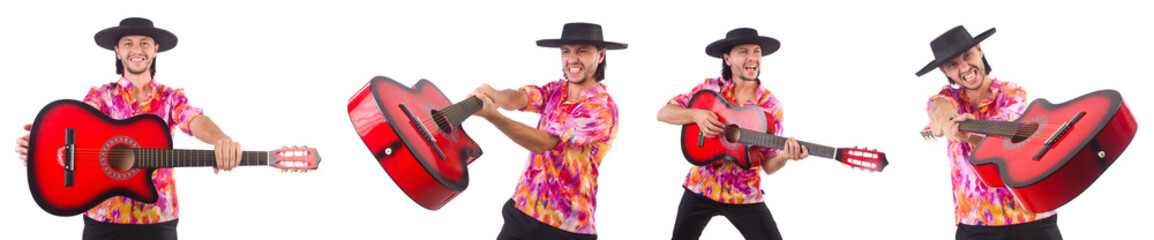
column 115, row 100
column 724, row 181
column 974, row 202
column 559, row 186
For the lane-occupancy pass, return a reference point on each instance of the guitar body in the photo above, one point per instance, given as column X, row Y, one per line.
column 717, row 147
column 400, row 147
column 1071, row 164
column 94, row 179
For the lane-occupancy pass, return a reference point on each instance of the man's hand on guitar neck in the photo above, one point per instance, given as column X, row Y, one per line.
column 22, row 145
column 944, row 121
column 793, row 151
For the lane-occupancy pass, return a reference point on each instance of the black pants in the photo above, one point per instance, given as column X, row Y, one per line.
column 101, row 230
column 753, row 220
column 1046, row 228
column 519, row 225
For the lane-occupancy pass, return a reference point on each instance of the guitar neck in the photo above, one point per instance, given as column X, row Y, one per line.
column 167, row 158
column 775, row 142
column 458, row 112
column 990, row 127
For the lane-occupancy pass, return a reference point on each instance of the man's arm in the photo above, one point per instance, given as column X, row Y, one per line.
column 228, row 152
column 533, row 139
column 677, row 115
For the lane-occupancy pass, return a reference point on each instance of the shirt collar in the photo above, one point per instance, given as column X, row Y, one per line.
column 584, row 94
column 126, row 84
column 728, row 86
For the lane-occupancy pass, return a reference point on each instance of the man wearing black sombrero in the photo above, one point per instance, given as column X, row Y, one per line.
column 724, row 188
column 556, row 195
column 981, row 212
column 136, row 43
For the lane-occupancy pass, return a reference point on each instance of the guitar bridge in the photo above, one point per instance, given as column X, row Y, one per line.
column 69, row 156
column 1061, row 132
column 424, row 132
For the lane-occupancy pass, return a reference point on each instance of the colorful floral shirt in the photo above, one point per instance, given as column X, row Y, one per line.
column 559, row 186
column 116, row 100
column 974, row 202
column 724, row 181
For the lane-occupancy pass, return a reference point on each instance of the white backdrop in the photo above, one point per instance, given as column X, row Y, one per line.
column 275, row 74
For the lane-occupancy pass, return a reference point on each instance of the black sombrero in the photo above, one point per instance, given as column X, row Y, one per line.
column 109, row 37
column 953, row 43
column 581, row 33
column 742, row 36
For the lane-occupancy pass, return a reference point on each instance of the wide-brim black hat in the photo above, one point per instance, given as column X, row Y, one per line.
column 953, row 43
column 108, row 38
column 742, row 36
column 581, row 33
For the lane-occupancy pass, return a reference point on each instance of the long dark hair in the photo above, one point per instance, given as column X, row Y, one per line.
column 725, row 71
column 151, row 69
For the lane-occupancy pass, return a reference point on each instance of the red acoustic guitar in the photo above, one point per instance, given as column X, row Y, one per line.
column 1052, row 153
column 416, row 136
column 748, row 126
column 78, row 157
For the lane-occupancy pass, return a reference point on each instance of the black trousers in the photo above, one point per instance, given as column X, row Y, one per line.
column 521, row 226
column 753, row 220
column 101, row 230
column 1046, row 228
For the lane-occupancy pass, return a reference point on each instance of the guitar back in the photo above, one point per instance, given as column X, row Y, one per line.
column 402, row 150
column 703, row 151
column 95, row 179
column 1071, row 164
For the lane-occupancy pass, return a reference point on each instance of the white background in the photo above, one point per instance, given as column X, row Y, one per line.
column 273, row 74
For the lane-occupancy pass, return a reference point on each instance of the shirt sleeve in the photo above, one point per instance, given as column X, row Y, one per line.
column 683, row 99
column 536, row 96
column 590, row 123
column 182, row 113
column 949, row 95
column 93, row 99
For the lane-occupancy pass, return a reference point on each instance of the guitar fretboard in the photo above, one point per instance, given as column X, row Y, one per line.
column 775, row 142
column 167, row 158
column 990, row 127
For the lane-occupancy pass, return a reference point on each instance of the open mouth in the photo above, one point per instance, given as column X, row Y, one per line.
column 970, row 78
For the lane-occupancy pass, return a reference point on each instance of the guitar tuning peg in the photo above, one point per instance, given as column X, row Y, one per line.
column 283, row 170
column 283, row 146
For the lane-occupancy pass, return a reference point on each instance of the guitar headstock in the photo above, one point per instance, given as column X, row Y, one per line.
column 295, row 159
column 862, row 158
column 928, row 135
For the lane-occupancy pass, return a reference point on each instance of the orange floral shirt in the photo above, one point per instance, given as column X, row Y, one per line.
column 115, row 100
column 559, row 186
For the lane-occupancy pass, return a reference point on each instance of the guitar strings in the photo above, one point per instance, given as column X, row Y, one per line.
column 451, row 110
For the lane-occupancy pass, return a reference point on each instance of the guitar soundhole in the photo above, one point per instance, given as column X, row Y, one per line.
column 121, row 158
column 442, row 122
column 1024, row 132
column 116, row 157
column 732, row 133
